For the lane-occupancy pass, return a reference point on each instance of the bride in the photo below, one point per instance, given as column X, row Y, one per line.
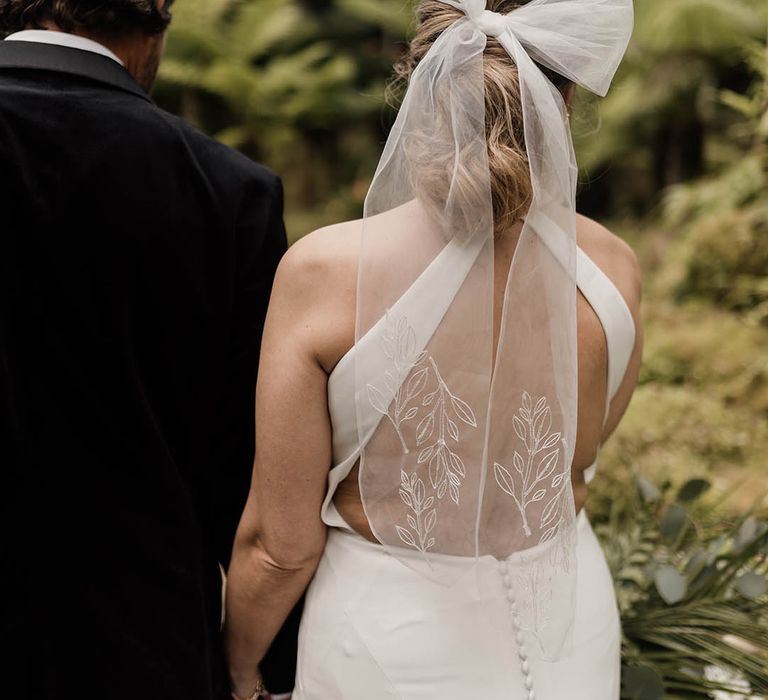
column 435, row 385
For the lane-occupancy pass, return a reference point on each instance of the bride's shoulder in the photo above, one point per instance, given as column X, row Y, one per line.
column 313, row 299
column 323, row 259
column 613, row 255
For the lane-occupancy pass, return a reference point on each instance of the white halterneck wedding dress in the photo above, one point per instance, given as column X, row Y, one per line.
column 373, row 629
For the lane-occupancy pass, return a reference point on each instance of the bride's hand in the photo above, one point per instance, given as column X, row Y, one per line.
column 248, row 688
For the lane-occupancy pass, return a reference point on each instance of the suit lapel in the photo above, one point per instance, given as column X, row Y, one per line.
column 63, row 59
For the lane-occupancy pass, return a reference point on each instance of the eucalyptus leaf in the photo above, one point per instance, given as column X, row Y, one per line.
column 747, row 531
column 674, row 521
column 641, row 683
column 633, row 574
column 697, row 562
column 751, row 529
column 693, row 489
column 704, row 577
column 752, row 585
column 670, row 584
column 649, row 491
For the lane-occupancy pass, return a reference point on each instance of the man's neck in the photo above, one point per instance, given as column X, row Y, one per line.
column 139, row 53
column 119, row 47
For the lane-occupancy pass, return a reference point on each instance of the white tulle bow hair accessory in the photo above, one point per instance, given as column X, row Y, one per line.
column 466, row 439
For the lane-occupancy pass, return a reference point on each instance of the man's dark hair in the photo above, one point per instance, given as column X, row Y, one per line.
column 109, row 17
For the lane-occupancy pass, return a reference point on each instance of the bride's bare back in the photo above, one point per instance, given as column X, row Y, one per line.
column 322, row 268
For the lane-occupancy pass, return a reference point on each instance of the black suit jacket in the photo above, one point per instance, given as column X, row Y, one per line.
column 136, row 260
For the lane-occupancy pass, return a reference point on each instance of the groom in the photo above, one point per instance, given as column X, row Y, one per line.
column 136, row 260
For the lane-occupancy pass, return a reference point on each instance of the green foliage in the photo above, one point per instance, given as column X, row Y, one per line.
column 690, row 569
column 692, row 590
column 296, row 84
column 702, row 405
column 721, row 254
column 665, row 102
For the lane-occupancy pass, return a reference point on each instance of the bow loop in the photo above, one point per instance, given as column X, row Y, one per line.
column 582, row 40
column 491, row 23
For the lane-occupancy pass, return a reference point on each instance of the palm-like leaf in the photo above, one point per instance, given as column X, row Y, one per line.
column 713, row 625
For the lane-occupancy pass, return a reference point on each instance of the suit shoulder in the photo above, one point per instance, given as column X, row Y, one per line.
column 212, row 152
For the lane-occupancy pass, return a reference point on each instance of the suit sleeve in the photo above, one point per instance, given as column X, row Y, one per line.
column 261, row 243
column 255, row 278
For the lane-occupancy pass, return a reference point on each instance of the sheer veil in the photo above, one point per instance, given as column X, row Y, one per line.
column 462, row 455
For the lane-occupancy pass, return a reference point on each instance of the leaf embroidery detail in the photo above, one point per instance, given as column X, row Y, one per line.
column 439, row 429
column 534, row 468
column 437, row 433
column 423, row 517
column 399, row 345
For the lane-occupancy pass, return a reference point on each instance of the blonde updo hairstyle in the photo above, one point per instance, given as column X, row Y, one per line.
column 507, row 158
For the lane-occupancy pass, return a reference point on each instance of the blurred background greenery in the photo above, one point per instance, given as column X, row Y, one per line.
column 675, row 160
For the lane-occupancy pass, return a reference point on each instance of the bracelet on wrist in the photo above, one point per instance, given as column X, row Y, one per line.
column 257, row 693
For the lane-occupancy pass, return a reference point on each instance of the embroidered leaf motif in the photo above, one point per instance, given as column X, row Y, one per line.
column 534, row 466
column 431, row 520
column 453, row 430
column 547, row 464
column 438, row 468
column 416, row 384
column 517, row 460
column 400, row 395
column 418, row 492
column 463, row 411
column 458, row 465
column 398, row 344
column 548, row 535
column 542, row 424
column 504, row 479
column 425, row 428
column 538, row 496
column 377, row 399
column 446, row 468
column 405, row 536
column 519, row 429
column 550, row 511
column 422, row 518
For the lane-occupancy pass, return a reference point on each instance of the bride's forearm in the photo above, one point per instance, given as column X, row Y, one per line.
column 261, row 592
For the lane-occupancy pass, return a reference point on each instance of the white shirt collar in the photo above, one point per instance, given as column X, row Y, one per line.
column 44, row 36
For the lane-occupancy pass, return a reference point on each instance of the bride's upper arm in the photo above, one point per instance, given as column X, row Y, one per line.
column 293, row 432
